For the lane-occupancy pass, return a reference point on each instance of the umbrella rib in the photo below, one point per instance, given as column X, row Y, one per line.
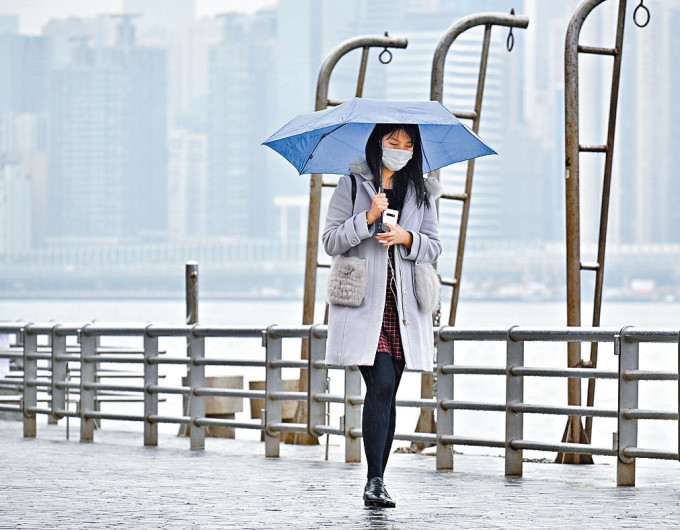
column 311, row 155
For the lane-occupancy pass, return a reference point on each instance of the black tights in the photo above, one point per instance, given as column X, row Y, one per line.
column 380, row 410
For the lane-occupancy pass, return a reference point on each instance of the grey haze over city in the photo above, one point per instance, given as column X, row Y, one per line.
column 130, row 142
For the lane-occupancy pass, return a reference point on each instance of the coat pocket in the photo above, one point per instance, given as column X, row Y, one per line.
column 427, row 287
column 346, row 281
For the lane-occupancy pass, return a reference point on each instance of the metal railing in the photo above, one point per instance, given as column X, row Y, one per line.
column 626, row 343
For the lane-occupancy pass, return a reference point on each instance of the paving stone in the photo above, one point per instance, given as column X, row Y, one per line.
column 116, row 482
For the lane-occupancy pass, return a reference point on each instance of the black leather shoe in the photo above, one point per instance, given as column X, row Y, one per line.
column 375, row 494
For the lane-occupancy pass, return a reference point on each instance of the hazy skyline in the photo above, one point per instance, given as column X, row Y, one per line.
column 34, row 14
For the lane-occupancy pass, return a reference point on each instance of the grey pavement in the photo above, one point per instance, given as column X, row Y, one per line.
column 50, row 482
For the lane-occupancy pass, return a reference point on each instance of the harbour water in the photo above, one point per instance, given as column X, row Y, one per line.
column 473, row 314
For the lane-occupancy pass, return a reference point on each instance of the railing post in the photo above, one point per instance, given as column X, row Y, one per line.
column 273, row 348
column 58, row 400
column 352, row 414
column 445, row 357
column 150, row 398
column 317, row 382
column 88, row 375
column 629, row 353
column 196, row 402
column 30, row 394
column 514, row 393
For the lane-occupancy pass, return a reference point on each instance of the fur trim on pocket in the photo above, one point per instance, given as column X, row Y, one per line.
column 428, row 287
column 346, row 281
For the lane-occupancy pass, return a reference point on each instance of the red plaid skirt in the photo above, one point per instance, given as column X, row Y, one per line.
column 390, row 339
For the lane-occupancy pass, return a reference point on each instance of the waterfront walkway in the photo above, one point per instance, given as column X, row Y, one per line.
column 50, row 482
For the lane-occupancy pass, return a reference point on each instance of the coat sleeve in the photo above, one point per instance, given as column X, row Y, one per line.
column 344, row 230
column 426, row 246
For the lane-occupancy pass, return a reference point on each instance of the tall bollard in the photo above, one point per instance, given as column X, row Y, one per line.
column 191, row 296
column 191, row 290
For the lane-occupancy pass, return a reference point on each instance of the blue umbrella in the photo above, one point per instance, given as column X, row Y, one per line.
column 326, row 141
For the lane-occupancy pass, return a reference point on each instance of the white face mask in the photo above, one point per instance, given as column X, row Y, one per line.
column 395, row 159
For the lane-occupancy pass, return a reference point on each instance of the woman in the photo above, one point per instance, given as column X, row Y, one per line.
column 388, row 330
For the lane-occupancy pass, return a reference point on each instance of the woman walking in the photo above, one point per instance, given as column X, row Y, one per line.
column 381, row 299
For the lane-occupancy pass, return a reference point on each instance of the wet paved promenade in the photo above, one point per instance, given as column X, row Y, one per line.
column 50, row 482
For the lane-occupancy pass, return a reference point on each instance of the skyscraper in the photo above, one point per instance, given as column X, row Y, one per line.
column 108, row 163
column 240, row 104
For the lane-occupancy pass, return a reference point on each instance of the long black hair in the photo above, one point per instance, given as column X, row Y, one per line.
column 413, row 171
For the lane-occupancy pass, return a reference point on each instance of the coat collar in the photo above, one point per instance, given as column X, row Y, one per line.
column 359, row 167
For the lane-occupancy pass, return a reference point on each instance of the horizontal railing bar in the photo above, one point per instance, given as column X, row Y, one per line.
column 596, row 50
column 67, row 357
column 581, row 449
column 564, row 334
column 220, row 422
column 642, row 414
column 450, row 333
column 245, row 332
column 62, row 413
column 169, row 360
column 155, row 389
column 114, row 330
column 39, row 410
column 417, row 437
column 230, row 392
column 449, row 369
column 96, row 414
column 11, row 355
column 287, row 427
column 290, row 332
column 417, row 403
column 593, row 149
column 327, row 429
column 67, row 385
column 449, row 439
column 10, row 408
column 587, row 373
column 329, row 398
column 115, row 388
column 39, row 357
column 155, row 418
column 639, row 452
column 643, row 375
column 590, row 266
column 450, row 404
column 454, row 196
column 229, row 362
column 289, row 364
column 290, row 396
column 650, row 335
column 465, row 114
column 113, row 359
column 32, row 383
column 566, row 410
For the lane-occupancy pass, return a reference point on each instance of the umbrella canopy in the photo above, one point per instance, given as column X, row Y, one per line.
column 326, row 141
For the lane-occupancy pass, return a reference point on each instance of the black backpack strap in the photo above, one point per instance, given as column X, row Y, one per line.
column 354, row 188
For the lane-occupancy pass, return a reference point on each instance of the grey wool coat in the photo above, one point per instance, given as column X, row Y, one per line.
column 353, row 332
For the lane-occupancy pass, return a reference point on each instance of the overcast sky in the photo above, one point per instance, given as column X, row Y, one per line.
column 35, row 13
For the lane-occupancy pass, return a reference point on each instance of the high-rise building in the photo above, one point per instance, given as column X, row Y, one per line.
column 240, row 103
column 108, row 168
column 187, row 192
column 15, row 208
column 646, row 189
column 24, row 73
column 160, row 15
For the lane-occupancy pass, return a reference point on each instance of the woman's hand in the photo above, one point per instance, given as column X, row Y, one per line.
column 396, row 236
column 378, row 206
